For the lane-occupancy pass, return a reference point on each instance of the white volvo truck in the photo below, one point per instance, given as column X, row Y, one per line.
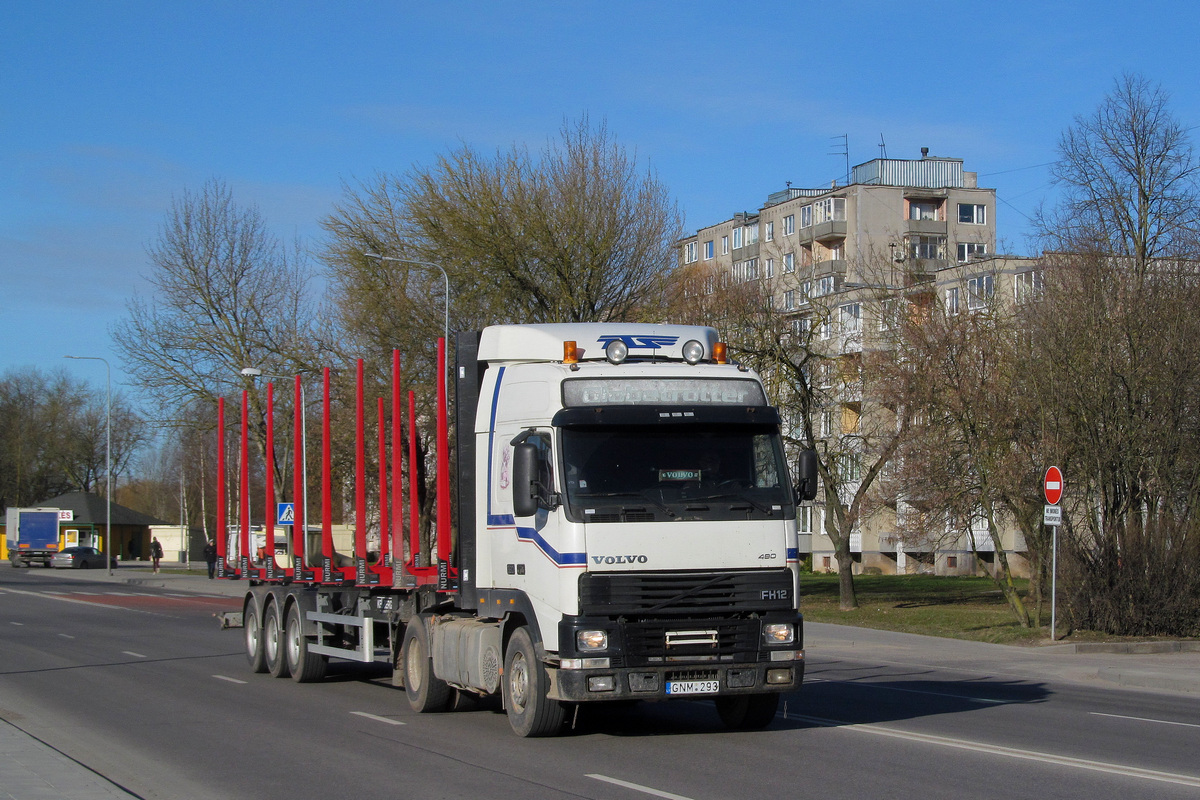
column 625, row 530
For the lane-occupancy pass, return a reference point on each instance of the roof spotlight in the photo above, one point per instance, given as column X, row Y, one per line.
column 616, row 352
column 693, row 352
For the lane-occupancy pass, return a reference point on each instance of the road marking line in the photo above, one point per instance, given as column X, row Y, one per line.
column 176, row 594
column 66, row 636
column 22, row 624
column 637, row 787
column 1146, row 719
column 377, row 718
column 52, row 591
column 1011, row 752
column 135, row 655
column 121, row 594
column 231, row 680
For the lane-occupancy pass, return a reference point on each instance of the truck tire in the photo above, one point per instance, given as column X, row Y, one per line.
column 525, row 682
column 305, row 667
column 426, row 693
column 746, row 712
column 252, row 627
column 273, row 642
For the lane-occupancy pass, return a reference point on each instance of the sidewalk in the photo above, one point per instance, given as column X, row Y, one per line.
column 1158, row 666
column 170, row 576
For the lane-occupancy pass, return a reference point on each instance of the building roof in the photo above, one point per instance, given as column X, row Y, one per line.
column 92, row 509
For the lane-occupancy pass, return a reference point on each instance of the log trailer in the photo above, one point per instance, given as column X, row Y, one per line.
column 625, row 529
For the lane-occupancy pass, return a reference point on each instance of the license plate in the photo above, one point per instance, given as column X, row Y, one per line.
column 693, row 687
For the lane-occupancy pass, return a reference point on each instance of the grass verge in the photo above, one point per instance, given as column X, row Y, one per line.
column 953, row 607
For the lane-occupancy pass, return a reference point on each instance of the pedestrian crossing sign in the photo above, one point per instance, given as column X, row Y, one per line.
column 286, row 513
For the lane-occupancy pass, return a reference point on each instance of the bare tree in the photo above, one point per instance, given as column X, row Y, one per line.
column 226, row 296
column 53, row 436
column 1129, row 179
column 1114, row 350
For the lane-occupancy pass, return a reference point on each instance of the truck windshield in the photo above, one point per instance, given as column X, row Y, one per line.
column 627, row 473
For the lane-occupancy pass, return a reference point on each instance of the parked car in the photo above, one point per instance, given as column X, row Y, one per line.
column 79, row 558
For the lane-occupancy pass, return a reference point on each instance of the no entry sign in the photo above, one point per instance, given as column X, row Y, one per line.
column 1053, row 485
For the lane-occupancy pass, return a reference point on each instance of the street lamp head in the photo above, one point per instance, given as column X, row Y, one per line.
column 251, row 372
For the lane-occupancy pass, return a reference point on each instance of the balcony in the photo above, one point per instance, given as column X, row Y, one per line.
column 836, row 229
column 929, row 227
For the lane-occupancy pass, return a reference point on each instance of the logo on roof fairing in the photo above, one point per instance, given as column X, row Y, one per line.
column 640, row 342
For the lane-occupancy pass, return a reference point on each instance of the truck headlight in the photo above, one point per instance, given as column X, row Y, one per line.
column 591, row 641
column 779, row 633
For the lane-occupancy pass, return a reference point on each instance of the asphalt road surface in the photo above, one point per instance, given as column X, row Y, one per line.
column 140, row 685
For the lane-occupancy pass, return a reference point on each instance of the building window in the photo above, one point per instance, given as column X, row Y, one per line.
column 752, row 269
column 1028, row 285
column 927, row 247
column 952, row 300
column 770, row 231
column 737, row 238
column 804, row 519
column 708, row 250
column 710, row 284
column 823, row 286
column 970, row 214
column 805, row 291
column 689, row 252
column 789, row 224
column 825, row 563
column 969, row 250
column 806, row 217
column 979, row 291
column 801, row 327
column 838, row 251
column 789, row 300
column 923, row 209
column 751, row 234
column 724, row 245
column 830, row 209
column 826, row 424
column 769, row 268
column 789, row 262
column 951, row 562
column 851, row 317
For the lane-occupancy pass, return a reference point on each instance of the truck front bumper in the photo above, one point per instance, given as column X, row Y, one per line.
column 675, row 681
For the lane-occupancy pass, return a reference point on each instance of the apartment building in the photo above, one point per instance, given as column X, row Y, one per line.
column 836, row 261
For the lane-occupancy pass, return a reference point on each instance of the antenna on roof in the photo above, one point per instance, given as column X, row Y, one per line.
column 845, row 151
column 882, row 146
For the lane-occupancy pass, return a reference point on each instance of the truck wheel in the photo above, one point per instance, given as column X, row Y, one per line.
column 273, row 642
column 304, row 666
column 530, row 712
column 747, row 712
column 426, row 693
column 254, row 637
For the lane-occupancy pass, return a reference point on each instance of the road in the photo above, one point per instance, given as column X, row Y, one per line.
column 140, row 685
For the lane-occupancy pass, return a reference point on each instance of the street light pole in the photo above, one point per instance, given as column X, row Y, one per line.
column 107, row 455
column 430, row 265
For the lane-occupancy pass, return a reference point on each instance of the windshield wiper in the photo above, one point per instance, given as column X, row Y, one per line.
column 644, row 495
column 766, row 509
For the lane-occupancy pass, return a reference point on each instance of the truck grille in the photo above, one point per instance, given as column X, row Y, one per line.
column 663, row 643
column 653, row 595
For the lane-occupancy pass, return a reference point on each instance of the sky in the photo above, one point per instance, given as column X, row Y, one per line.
column 109, row 111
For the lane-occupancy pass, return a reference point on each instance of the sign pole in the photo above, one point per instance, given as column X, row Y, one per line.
column 1052, row 487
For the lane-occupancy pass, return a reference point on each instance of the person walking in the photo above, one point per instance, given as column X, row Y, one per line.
column 210, row 556
column 156, row 552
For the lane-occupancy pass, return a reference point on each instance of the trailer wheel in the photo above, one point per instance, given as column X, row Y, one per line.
column 426, row 693
column 273, row 642
column 530, row 712
column 745, row 712
column 304, row 666
column 254, row 637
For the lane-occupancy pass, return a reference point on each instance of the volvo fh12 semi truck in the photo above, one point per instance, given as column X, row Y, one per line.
column 624, row 528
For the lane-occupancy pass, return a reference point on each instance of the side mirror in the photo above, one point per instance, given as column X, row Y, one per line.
column 524, row 485
column 806, row 480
